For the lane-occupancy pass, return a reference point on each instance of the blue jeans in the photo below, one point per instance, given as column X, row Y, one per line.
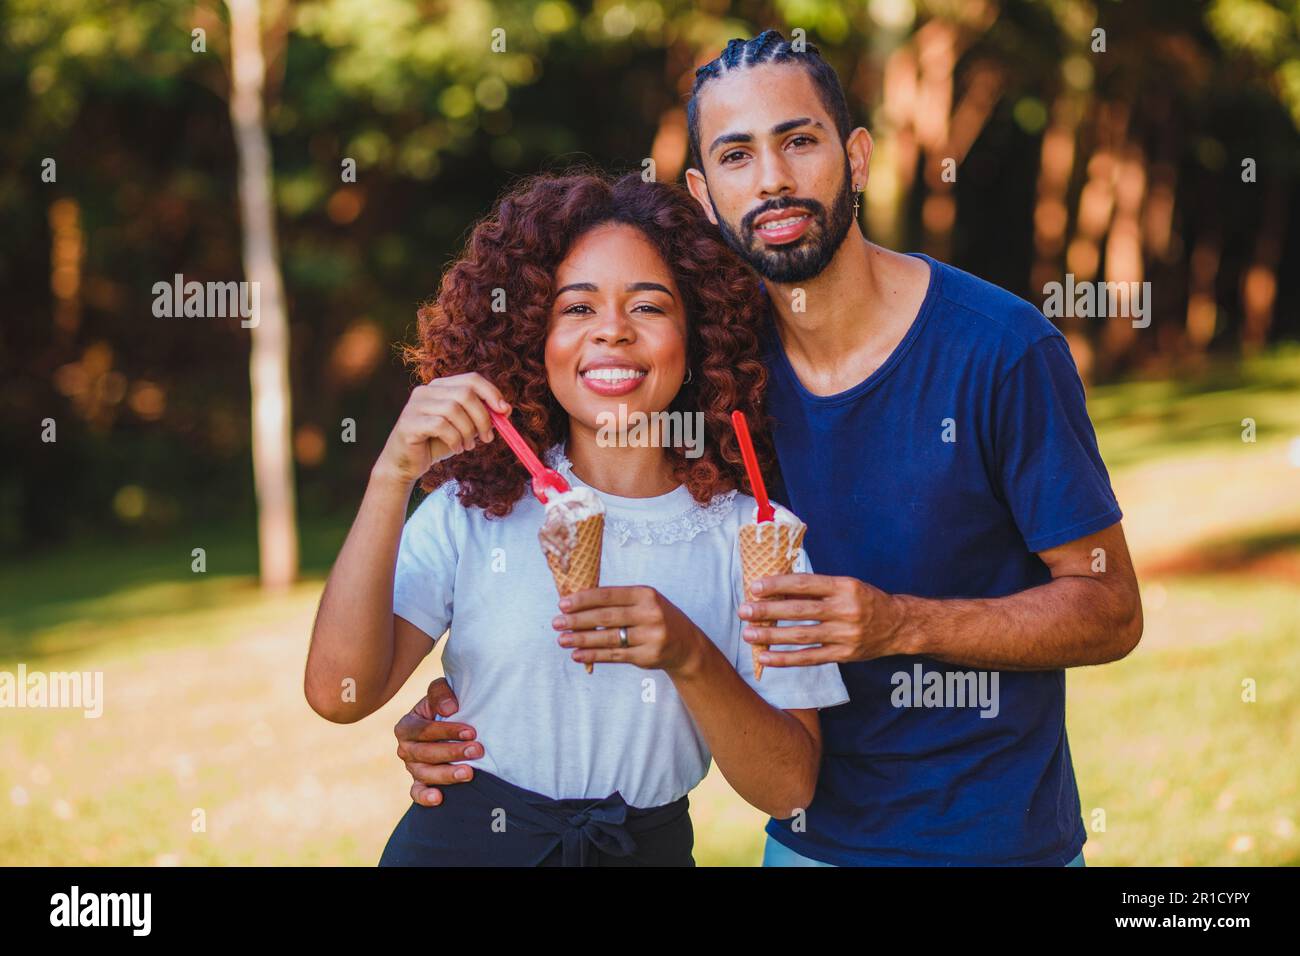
column 778, row 854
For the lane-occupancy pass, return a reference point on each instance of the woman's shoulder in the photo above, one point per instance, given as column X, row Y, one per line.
column 443, row 504
column 436, row 509
column 441, row 498
column 745, row 505
column 739, row 510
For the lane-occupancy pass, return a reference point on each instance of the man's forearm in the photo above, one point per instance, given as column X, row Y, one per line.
column 1068, row 622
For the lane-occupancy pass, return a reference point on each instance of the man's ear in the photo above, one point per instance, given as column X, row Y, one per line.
column 858, row 146
column 699, row 188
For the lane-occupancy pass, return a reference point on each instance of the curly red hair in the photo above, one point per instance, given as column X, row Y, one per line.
column 518, row 248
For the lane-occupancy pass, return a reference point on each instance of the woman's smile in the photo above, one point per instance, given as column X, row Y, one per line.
column 619, row 378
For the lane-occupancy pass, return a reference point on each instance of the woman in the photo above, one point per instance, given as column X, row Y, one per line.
column 578, row 295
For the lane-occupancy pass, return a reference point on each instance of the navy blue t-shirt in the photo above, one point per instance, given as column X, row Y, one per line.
column 940, row 476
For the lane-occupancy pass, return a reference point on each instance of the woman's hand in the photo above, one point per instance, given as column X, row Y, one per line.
column 659, row 636
column 442, row 418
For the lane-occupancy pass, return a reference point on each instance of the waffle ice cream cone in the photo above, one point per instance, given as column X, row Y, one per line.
column 583, row 570
column 571, row 537
column 768, row 548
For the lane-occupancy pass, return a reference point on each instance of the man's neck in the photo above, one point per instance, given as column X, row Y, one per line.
column 847, row 319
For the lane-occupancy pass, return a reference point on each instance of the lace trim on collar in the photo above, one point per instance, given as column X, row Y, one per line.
column 682, row 527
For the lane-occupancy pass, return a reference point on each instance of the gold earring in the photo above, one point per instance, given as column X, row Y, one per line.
column 857, row 200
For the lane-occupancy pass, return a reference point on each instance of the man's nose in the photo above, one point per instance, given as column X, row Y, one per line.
column 775, row 177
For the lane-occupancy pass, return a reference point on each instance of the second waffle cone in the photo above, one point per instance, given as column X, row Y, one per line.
column 773, row 552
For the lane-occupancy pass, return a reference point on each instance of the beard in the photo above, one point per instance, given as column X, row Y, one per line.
column 810, row 254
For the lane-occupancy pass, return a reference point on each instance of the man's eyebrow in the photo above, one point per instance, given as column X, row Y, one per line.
column 726, row 138
column 577, row 287
column 788, row 125
column 777, row 130
column 650, row 287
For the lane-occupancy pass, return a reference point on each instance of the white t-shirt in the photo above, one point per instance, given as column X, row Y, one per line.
column 545, row 723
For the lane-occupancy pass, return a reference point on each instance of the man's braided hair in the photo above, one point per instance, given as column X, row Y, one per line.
column 769, row 47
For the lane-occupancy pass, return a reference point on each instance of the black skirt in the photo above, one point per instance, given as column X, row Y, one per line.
column 490, row 822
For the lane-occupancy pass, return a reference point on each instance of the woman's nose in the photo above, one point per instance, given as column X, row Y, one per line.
column 613, row 327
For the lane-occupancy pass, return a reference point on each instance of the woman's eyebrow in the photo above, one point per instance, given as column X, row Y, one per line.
column 650, row 287
column 630, row 287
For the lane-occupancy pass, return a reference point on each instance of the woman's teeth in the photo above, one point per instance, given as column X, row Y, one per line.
column 781, row 223
column 613, row 374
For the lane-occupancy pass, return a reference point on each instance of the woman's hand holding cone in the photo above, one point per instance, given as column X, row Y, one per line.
column 659, row 635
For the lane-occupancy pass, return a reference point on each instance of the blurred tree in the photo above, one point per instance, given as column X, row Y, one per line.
column 277, row 528
column 1267, row 36
column 1116, row 163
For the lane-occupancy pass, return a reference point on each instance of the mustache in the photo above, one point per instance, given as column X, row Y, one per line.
column 810, row 206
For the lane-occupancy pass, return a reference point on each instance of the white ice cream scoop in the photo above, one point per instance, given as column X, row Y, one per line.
column 781, row 516
column 565, row 510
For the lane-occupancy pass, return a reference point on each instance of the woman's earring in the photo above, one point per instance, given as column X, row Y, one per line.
column 687, row 379
column 857, row 200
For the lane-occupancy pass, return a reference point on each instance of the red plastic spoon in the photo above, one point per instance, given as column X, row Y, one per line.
column 765, row 510
column 543, row 477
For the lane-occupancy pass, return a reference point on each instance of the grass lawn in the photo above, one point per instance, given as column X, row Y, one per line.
column 206, row 721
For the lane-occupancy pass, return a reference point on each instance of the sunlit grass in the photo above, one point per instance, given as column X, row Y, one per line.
column 1144, row 421
column 1185, row 770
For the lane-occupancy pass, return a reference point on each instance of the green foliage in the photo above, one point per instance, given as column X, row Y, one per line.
column 1266, row 32
column 438, row 122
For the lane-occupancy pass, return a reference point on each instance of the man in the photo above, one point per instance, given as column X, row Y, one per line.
column 932, row 432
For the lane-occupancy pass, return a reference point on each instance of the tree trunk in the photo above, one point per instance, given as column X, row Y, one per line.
column 1124, row 263
column 277, row 533
column 1259, row 284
